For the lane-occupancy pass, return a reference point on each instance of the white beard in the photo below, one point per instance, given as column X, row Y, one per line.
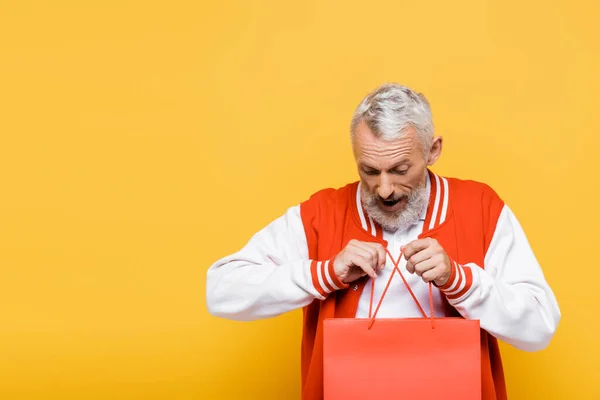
column 398, row 220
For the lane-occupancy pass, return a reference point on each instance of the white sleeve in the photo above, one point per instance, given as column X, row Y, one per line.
column 270, row 275
column 510, row 297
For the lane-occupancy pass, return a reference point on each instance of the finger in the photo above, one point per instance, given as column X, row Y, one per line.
column 364, row 259
column 425, row 266
column 415, row 246
column 419, row 257
column 374, row 255
column 356, row 272
column 432, row 274
column 381, row 254
column 365, row 265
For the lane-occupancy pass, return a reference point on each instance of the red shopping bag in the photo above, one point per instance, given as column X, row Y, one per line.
column 395, row 358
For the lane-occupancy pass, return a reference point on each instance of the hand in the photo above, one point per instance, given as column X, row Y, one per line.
column 358, row 259
column 428, row 259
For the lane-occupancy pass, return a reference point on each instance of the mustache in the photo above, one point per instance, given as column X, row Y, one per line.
column 391, row 198
column 374, row 198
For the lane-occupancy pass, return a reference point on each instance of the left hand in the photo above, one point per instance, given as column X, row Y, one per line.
column 428, row 259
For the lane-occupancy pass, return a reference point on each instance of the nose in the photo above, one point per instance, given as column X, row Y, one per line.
column 385, row 188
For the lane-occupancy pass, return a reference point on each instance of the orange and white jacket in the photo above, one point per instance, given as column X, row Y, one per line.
column 495, row 279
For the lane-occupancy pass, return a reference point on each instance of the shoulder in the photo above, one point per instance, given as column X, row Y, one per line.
column 468, row 190
column 331, row 196
column 326, row 201
column 476, row 204
column 475, row 199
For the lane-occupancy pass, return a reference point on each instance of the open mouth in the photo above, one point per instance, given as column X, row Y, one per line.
column 390, row 203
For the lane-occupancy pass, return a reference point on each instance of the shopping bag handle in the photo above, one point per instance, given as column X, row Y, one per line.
column 397, row 269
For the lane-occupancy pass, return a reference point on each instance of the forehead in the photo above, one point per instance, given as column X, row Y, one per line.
column 377, row 152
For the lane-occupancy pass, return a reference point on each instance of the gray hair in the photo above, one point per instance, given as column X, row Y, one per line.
column 390, row 109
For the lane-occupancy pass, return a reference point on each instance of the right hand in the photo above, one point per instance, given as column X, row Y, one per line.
column 358, row 259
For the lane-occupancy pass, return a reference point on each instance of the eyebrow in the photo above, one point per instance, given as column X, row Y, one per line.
column 398, row 164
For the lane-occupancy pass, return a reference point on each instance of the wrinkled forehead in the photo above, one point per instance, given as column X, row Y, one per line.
column 383, row 153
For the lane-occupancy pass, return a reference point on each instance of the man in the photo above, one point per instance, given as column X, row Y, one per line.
column 457, row 234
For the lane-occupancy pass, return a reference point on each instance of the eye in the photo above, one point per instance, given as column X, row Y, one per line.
column 370, row 171
column 401, row 171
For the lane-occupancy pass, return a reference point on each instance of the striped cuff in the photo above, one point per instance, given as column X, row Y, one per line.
column 323, row 277
column 459, row 283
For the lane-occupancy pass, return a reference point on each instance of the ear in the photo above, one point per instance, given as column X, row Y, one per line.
column 435, row 151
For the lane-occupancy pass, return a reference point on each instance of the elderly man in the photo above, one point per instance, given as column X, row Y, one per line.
column 457, row 234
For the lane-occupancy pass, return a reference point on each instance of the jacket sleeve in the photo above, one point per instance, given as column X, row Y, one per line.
column 270, row 275
column 510, row 297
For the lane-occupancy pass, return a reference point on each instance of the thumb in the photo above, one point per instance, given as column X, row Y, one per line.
column 403, row 250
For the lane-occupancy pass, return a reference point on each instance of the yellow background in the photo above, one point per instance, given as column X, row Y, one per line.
column 141, row 141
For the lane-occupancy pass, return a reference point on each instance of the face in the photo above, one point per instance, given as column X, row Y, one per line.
column 393, row 176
